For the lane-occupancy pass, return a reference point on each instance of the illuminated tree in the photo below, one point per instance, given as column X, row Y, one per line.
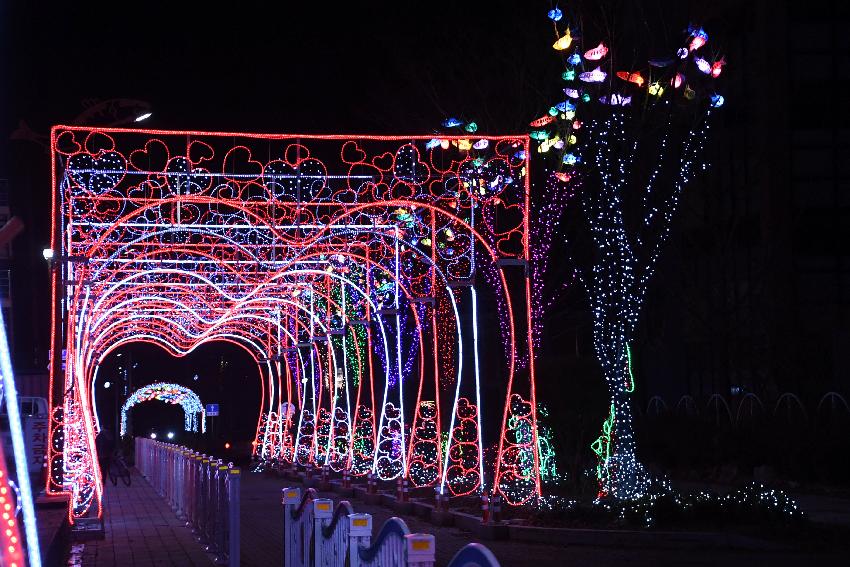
column 628, row 141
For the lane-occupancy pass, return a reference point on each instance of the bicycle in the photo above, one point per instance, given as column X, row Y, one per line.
column 118, row 469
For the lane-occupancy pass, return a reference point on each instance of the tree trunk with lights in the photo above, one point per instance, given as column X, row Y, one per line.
column 626, row 254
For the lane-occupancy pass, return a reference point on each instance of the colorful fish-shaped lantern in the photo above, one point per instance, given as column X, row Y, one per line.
column 660, row 62
column 464, row 145
column 698, row 38
column 520, row 155
column 472, row 127
column 546, row 144
column 574, row 59
column 568, row 75
column 542, row 121
column 539, row 135
column 555, row 15
column 656, row 89
column 595, row 76
column 635, row 78
column 451, row 123
column 431, row 144
column 564, row 42
column 717, row 67
column 481, row 144
column 677, row 80
column 596, row 53
column 571, row 159
column 703, row 65
column 682, row 53
column 717, row 101
column 616, row 100
column 560, row 176
column 565, row 106
column 572, row 93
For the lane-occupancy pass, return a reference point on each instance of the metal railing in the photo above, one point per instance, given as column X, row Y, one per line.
column 317, row 534
column 203, row 492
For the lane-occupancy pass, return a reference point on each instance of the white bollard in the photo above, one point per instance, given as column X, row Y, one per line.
column 420, row 550
column 291, row 498
column 323, row 509
column 359, row 535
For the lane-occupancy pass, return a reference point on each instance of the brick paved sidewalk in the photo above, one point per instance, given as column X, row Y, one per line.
column 141, row 530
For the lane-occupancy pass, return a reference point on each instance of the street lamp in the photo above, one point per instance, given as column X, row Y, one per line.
column 171, row 435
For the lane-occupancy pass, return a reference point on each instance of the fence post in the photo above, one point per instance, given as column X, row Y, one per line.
column 402, row 490
column 291, row 498
column 322, row 512
column 496, row 506
column 234, row 476
column 359, row 535
column 420, row 550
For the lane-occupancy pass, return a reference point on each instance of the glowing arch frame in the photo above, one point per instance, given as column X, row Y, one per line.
column 362, row 215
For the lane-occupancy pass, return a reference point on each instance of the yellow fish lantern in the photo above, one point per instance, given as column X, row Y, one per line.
column 656, row 89
column 564, row 41
column 464, row 145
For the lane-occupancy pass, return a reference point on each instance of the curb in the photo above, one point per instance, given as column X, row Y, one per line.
column 565, row 537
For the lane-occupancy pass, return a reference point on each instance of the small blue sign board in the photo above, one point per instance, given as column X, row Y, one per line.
column 212, row 410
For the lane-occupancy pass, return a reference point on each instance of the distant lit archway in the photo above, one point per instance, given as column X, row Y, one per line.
column 193, row 409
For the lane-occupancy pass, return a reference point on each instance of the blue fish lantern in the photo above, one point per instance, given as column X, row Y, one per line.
column 431, row 144
column 574, row 59
column 717, row 101
column 520, row 155
column 571, row 159
column 451, row 123
column 565, row 106
column 555, row 15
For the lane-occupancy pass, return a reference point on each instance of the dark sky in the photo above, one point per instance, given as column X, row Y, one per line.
column 314, row 66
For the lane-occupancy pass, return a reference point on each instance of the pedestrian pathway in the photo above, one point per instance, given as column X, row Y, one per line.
column 141, row 531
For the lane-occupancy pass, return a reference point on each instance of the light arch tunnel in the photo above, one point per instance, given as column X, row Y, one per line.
column 362, row 316
column 194, row 414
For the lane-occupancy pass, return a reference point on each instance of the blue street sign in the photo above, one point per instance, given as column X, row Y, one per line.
column 212, row 410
